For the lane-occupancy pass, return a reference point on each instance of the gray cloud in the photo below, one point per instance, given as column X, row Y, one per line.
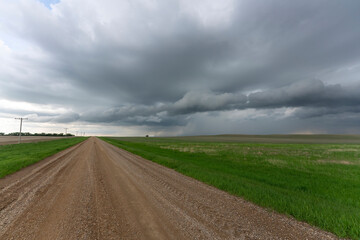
column 194, row 102
column 65, row 118
column 311, row 98
column 307, row 93
column 165, row 63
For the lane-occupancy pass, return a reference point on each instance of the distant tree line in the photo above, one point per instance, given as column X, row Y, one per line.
column 37, row 134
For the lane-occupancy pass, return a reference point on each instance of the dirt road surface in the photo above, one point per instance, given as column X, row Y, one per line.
column 97, row 191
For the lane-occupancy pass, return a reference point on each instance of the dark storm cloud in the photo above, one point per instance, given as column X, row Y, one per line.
column 313, row 99
column 194, row 102
column 65, row 118
column 307, row 93
column 266, row 43
column 312, row 112
column 159, row 63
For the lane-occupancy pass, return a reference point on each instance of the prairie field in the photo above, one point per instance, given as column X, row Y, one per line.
column 4, row 140
column 313, row 178
column 14, row 157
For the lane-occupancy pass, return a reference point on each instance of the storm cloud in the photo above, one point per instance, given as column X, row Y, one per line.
column 168, row 65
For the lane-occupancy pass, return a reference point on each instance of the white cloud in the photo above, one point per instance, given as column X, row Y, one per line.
column 26, row 106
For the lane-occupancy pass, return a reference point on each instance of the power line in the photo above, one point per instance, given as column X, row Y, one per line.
column 21, row 120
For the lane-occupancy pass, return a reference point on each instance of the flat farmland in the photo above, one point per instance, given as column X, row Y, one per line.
column 275, row 138
column 14, row 157
column 95, row 190
column 4, row 140
column 314, row 179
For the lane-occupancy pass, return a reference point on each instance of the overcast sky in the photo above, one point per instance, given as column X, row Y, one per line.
column 180, row 67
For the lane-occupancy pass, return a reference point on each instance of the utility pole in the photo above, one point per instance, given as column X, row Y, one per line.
column 76, row 133
column 21, row 120
column 66, row 130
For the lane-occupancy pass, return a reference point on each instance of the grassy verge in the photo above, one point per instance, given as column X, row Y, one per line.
column 316, row 183
column 17, row 156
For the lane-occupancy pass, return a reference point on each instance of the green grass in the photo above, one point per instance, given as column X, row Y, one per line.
column 316, row 183
column 14, row 157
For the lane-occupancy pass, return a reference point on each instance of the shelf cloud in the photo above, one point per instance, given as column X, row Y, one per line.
column 179, row 67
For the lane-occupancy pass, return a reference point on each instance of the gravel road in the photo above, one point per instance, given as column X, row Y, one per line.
column 97, row 191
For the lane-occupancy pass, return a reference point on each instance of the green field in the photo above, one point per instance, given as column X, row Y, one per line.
column 317, row 183
column 13, row 157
